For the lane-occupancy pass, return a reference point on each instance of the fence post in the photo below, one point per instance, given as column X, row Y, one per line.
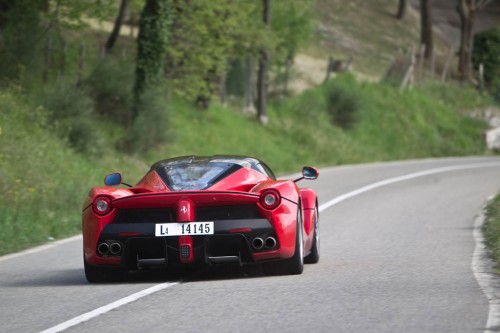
column 408, row 78
column 447, row 64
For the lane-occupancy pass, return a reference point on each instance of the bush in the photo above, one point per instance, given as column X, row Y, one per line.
column 69, row 112
column 342, row 105
column 110, row 85
column 486, row 51
column 149, row 129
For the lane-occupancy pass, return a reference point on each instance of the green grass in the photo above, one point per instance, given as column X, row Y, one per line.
column 491, row 228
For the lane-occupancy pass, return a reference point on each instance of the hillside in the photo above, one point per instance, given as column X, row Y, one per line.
column 55, row 144
column 368, row 32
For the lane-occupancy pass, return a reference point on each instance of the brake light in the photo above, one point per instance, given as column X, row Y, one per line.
column 270, row 199
column 102, row 205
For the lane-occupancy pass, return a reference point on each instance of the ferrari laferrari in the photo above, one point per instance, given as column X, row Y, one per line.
column 200, row 210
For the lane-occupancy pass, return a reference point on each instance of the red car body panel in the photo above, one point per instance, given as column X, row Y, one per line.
column 239, row 193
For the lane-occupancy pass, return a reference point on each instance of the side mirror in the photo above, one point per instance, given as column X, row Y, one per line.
column 308, row 173
column 113, row 179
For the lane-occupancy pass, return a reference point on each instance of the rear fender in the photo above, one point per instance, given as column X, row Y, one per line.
column 309, row 199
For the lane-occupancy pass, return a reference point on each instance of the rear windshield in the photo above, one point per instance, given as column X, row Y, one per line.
column 195, row 176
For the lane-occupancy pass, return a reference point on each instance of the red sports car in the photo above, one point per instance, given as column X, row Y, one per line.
column 209, row 210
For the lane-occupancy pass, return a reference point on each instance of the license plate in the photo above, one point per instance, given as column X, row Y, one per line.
column 184, row 229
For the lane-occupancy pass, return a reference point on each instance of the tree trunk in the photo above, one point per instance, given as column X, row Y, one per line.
column 249, row 107
column 426, row 28
column 402, row 9
column 465, row 51
column 262, row 78
column 152, row 42
column 467, row 10
column 118, row 25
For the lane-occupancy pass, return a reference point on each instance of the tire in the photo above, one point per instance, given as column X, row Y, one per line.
column 104, row 274
column 295, row 264
column 313, row 256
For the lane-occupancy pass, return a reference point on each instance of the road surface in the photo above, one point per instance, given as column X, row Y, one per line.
column 397, row 250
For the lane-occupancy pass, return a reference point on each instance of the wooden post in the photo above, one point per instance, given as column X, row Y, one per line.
column 447, row 64
column 408, row 78
column 433, row 66
column 421, row 63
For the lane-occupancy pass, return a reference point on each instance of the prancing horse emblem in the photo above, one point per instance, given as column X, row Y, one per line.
column 184, row 210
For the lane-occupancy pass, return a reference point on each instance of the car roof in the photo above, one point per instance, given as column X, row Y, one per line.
column 244, row 161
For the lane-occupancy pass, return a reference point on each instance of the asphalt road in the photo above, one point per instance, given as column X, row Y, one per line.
column 396, row 254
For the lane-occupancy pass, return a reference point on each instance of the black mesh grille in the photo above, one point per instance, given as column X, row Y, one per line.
column 157, row 215
column 227, row 213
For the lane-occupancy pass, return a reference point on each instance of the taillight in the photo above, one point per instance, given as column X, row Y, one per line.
column 270, row 199
column 102, row 205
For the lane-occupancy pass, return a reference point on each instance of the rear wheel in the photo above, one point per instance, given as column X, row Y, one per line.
column 96, row 274
column 313, row 257
column 295, row 264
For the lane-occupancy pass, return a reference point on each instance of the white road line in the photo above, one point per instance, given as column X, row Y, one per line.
column 40, row 248
column 484, row 271
column 390, row 181
column 494, row 312
column 481, row 266
column 106, row 308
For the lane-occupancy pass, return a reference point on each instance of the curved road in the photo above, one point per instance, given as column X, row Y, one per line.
column 397, row 251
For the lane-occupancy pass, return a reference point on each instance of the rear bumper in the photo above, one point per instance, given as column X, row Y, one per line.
column 232, row 241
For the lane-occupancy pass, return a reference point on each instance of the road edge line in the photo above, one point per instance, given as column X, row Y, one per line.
column 40, row 248
column 484, row 272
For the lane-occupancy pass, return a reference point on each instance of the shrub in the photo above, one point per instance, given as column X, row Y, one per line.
column 110, row 85
column 69, row 112
column 342, row 105
column 150, row 127
column 486, row 51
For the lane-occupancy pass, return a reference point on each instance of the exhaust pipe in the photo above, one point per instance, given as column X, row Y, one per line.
column 115, row 248
column 103, row 249
column 270, row 242
column 258, row 243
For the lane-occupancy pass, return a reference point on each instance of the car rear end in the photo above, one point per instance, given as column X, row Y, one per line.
column 189, row 227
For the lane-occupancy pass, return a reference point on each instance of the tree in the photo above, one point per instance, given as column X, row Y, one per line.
column 206, row 36
column 292, row 27
column 152, row 43
column 467, row 10
column 117, row 27
column 426, row 27
column 486, row 51
column 262, row 74
column 403, row 4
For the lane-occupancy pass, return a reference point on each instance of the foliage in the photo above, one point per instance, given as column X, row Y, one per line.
column 72, row 15
column 109, row 85
column 293, row 23
column 149, row 128
column 68, row 112
column 19, row 35
column 206, row 36
column 152, row 43
column 342, row 105
column 42, row 180
column 486, row 52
